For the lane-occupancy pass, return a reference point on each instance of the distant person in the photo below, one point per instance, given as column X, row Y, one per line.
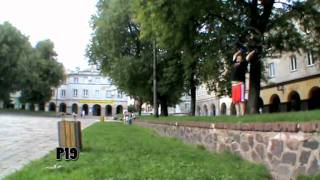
column 239, row 69
column 74, row 115
column 83, row 113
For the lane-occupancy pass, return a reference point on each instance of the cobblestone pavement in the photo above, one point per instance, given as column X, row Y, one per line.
column 26, row 138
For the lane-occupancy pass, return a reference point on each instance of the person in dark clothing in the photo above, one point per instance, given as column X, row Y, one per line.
column 238, row 78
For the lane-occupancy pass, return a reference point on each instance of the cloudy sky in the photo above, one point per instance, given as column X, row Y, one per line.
column 65, row 22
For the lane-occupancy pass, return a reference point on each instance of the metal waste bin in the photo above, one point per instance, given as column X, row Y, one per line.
column 70, row 134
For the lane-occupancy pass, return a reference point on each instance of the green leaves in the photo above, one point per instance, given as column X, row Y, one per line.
column 117, row 45
column 34, row 71
column 42, row 74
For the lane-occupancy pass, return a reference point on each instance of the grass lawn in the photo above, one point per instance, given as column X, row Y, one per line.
column 28, row 113
column 116, row 151
column 301, row 116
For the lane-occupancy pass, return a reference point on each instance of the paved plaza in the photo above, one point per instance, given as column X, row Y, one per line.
column 26, row 138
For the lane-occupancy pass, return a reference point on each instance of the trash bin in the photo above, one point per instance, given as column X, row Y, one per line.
column 69, row 134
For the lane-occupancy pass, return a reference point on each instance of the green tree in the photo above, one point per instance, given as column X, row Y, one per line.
column 207, row 33
column 116, row 46
column 42, row 74
column 14, row 50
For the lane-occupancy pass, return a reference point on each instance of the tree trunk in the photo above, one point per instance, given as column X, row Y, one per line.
column 164, row 107
column 193, row 96
column 139, row 106
column 254, row 85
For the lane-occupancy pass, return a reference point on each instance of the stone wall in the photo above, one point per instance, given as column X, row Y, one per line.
column 286, row 153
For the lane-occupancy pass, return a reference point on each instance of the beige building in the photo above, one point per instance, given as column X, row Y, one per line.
column 90, row 92
column 293, row 83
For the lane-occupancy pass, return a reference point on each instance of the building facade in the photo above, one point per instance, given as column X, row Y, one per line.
column 293, row 83
column 90, row 92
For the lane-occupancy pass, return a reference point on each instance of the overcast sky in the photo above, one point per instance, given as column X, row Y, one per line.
column 65, row 22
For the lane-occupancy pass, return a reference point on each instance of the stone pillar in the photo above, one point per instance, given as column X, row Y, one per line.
column 114, row 110
column 69, row 109
column 103, row 110
column 46, row 107
column 57, row 107
column 90, row 110
column 79, row 109
column 36, row 107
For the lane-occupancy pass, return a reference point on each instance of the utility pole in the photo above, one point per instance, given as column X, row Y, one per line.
column 155, row 103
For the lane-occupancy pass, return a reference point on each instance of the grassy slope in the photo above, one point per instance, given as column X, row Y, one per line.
column 115, row 151
column 278, row 117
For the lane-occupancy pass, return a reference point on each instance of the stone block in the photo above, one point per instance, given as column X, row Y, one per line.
column 290, row 127
column 267, row 127
column 304, row 157
column 308, row 127
column 314, row 167
column 311, row 144
column 251, row 141
column 260, row 150
column 259, row 126
column 234, row 146
column 259, row 138
column 293, row 144
column 283, row 171
column 255, row 157
column 276, row 127
column 276, row 147
column 244, row 146
column 289, row 158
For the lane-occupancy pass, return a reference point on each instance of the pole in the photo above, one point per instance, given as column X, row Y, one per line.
column 155, row 103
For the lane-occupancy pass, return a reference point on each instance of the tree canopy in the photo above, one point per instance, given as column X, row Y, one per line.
column 197, row 39
column 207, row 33
column 116, row 46
column 33, row 71
column 43, row 73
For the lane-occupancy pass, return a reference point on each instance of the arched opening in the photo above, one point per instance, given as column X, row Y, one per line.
column 274, row 104
column 119, row 109
column 85, row 108
column 23, row 106
column 314, row 98
column 96, row 110
column 213, row 110
column 108, row 110
column 223, row 109
column 74, row 108
column 205, row 110
column 198, row 110
column 41, row 106
column 63, row 108
column 233, row 109
column 294, row 102
column 260, row 105
column 52, row 107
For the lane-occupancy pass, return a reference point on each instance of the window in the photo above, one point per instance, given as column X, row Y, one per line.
column 75, row 92
column 75, row 80
column 97, row 93
column 63, row 93
column 293, row 63
column 310, row 58
column 108, row 93
column 271, row 70
column 85, row 92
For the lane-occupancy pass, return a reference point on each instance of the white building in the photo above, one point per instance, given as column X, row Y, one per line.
column 87, row 91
